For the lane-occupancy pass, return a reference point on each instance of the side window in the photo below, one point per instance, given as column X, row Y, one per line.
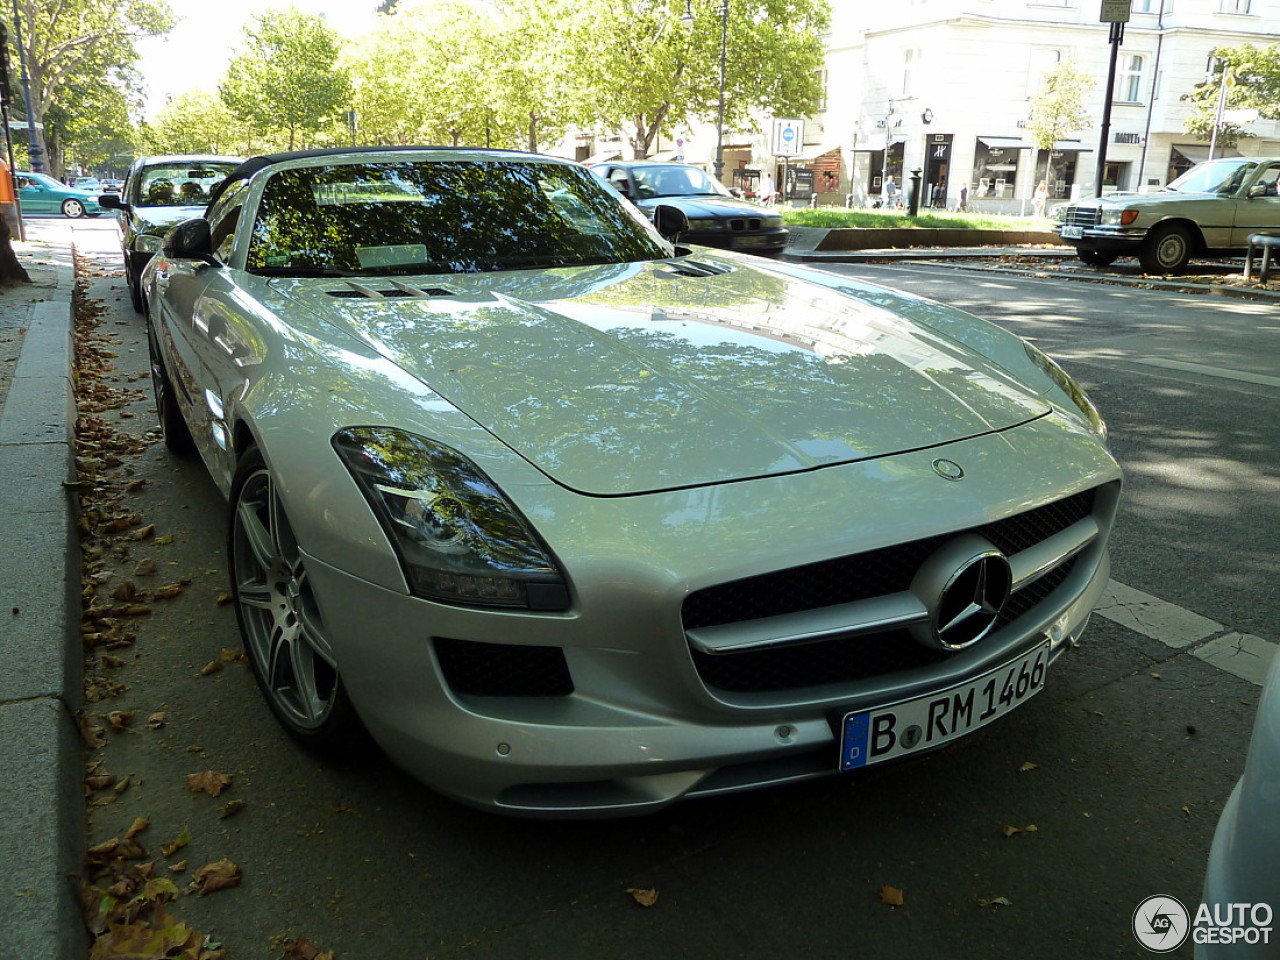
column 618, row 179
column 224, row 217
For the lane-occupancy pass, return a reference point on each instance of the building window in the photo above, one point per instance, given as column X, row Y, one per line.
column 1129, row 79
column 1143, row 6
column 822, row 86
column 1043, row 60
column 910, row 63
column 1233, row 6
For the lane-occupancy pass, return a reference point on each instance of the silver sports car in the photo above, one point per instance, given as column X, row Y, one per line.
column 576, row 520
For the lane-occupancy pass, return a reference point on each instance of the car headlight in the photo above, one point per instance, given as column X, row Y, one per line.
column 771, row 223
column 705, row 223
column 1117, row 217
column 459, row 539
column 147, row 243
column 1068, row 386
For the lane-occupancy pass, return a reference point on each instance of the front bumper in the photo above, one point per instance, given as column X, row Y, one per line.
column 1102, row 238
column 643, row 726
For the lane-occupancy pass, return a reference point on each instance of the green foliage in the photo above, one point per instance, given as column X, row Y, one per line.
column 80, row 56
column 773, row 49
column 1252, row 83
column 288, row 77
column 1057, row 108
column 804, row 217
column 197, row 123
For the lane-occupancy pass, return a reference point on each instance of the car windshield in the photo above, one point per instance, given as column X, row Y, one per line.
column 1215, row 176
column 668, row 180
column 180, row 185
column 442, row 216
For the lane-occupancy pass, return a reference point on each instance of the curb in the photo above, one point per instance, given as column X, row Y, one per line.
column 815, row 259
column 41, row 758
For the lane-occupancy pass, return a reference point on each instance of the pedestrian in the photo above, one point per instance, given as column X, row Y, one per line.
column 964, row 198
column 767, row 193
column 1038, row 199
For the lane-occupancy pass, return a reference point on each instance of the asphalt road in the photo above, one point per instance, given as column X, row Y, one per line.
column 1135, row 743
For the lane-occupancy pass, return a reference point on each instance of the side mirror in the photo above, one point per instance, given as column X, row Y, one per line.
column 1261, row 190
column 110, row 201
column 670, row 221
column 190, row 240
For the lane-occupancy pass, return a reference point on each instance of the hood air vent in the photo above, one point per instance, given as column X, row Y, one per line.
column 398, row 289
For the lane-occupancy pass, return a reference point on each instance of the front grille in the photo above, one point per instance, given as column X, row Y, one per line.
column 740, row 224
column 850, row 658
column 503, row 669
column 1081, row 216
column 846, row 659
column 865, row 575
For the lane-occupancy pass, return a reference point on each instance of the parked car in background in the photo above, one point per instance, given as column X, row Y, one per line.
column 1246, row 844
column 92, row 184
column 41, row 193
column 112, row 186
column 1209, row 211
column 159, row 192
column 716, row 217
column 575, row 521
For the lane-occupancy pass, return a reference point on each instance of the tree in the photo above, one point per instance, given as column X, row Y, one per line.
column 1252, row 82
column 197, row 123
column 650, row 72
column 288, row 79
column 1057, row 108
column 80, row 42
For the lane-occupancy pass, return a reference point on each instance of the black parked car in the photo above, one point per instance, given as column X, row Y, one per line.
column 716, row 217
column 159, row 192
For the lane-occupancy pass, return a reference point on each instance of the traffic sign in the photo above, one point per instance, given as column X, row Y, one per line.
column 788, row 138
column 1115, row 11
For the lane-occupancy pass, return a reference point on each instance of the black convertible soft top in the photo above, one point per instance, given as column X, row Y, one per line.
column 254, row 164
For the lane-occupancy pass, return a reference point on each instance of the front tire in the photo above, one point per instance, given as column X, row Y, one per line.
column 176, row 433
column 1095, row 258
column 280, row 622
column 1167, row 249
column 72, row 208
column 134, row 283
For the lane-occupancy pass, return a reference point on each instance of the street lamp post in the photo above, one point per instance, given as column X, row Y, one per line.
column 35, row 153
column 724, row 44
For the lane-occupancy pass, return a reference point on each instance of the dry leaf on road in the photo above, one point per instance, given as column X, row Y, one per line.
column 216, row 876
column 891, row 896
column 210, row 782
column 646, row 898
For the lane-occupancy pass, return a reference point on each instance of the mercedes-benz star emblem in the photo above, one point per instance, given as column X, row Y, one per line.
column 964, row 586
column 948, row 469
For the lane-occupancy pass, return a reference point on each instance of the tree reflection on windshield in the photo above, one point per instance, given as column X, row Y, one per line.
column 442, row 216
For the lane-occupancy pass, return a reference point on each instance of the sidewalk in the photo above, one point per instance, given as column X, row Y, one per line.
column 41, row 762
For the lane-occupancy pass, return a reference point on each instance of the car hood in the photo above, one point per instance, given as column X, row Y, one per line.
column 709, row 206
column 1164, row 198
column 158, row 220
column 638, row 377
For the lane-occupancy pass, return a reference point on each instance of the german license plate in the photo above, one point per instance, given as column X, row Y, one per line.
column 1072, row 233
column 750, row 241
column 872, row 736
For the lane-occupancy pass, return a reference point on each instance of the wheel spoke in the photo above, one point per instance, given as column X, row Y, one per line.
column 259, row 538
column 254, row 593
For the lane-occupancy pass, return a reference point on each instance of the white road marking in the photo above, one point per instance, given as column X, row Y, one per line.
column 1240, row 654
column 1207, row 371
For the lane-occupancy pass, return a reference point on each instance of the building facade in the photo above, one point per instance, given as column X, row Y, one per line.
column 944, row 87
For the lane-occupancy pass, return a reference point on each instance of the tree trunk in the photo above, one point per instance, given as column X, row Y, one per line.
column 533, row 132
column 11, row 271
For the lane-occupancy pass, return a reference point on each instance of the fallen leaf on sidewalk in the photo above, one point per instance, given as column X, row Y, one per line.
column 172, row 847
column 996, row 902
column 1028, row 767
column 230, row 809
column 212, row 667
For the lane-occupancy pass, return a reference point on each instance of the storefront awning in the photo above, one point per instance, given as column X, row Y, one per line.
column 1005, row 143
column 1199, row 152
column 602, row 156
column 811, row 154
column 1070, row 146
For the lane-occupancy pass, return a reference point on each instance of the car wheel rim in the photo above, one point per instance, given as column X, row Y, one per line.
column 72, row 209
column 1171, row 251
column 281, row 621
